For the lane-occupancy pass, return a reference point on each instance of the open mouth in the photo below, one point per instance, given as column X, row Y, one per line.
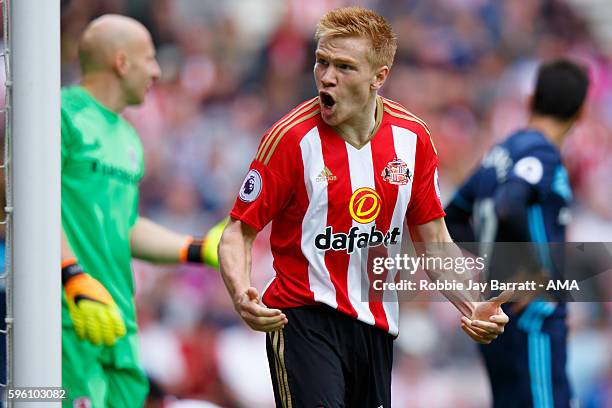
column 327, row 100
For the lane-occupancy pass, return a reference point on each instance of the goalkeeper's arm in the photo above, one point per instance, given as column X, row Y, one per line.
column 94, row 314
column 152, row 242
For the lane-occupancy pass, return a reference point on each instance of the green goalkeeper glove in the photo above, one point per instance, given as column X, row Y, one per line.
column 205, row 250
column 94, row 314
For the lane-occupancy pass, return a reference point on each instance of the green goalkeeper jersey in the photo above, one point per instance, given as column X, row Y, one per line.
column 102, row 163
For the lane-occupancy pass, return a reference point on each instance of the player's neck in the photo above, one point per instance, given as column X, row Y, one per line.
column 99, row 86
column 553, row 129
column 358, row 130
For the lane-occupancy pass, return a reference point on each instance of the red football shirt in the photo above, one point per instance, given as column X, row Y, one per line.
column 330, row 203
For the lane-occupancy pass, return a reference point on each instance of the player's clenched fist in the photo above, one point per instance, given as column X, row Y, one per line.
column 488, row 319
column 93, row 311
column 256, row 315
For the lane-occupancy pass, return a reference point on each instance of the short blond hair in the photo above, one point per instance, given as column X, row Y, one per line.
column 361, row 22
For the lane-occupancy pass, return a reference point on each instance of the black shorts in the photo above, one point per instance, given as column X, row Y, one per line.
column 324, row 358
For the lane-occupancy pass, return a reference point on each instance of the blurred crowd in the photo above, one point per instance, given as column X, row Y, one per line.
column 231, row 69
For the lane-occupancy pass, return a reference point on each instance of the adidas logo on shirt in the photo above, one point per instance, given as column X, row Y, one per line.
column 326, row 175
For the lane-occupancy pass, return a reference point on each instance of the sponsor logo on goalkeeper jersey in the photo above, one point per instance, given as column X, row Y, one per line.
column 115, row 172
column 355, row 239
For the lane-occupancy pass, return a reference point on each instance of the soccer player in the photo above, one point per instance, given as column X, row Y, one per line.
column 520, row 193
column 102, row 163
column 338, row 175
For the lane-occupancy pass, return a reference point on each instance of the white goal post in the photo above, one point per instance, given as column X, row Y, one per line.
column 33, row 284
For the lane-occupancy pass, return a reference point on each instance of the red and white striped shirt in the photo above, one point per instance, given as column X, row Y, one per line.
column 330, row 203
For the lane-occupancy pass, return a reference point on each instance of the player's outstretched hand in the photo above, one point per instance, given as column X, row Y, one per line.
column 488, row 319
column 257, row 315
column 93, row 311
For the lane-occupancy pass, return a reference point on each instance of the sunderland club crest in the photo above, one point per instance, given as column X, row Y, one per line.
column 396, row 172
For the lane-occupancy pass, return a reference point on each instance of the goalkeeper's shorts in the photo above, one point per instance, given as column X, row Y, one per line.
column 99, row 376
column 324, row 358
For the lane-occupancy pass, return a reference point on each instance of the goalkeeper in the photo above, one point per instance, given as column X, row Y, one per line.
column 102, row 163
